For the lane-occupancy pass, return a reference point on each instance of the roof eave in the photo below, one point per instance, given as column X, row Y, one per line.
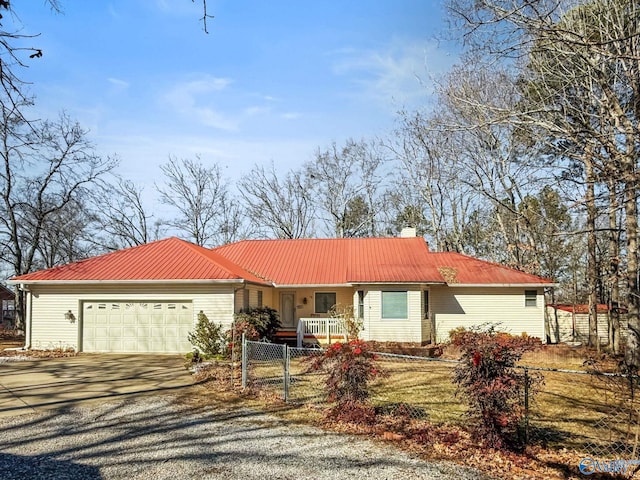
column 313, row 285
column 513, row 285
column 112, row 282
column 401, row 282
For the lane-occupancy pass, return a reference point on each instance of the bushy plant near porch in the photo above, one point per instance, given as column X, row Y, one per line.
column 265, row 320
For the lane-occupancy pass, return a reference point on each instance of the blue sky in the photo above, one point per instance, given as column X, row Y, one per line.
column 272, row 81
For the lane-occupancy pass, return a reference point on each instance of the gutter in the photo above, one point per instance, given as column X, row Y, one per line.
column 120, row 282
column 523, row 285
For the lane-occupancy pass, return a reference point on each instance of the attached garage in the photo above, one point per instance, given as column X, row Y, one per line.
column 144, row 299
column 136, row 326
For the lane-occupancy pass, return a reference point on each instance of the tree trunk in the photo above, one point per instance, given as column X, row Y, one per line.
column 614, row 263
column 592, row 265
column 632, row 354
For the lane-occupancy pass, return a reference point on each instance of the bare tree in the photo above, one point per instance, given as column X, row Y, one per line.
column 14, row 57
column 121, row 216
column 234, row 224
column 278, row 204
column 348, row 185
column 199, row 195
column 46, row 168
column 68, row 235
column 431, row 181
column 581, row 85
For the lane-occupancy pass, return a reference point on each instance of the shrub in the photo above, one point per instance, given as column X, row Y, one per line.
column 233, row 338
column 492, row 387
column 350, row 368
column 265, row 320
column 207, row 337
column 351, row 325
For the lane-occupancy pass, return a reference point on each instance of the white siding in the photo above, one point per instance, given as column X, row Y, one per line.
column 468, row 306
column 50, row 329
column 392, row 330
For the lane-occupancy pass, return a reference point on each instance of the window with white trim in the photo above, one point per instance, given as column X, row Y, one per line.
column 530, row 298
column 324, row 301
column 395, row 304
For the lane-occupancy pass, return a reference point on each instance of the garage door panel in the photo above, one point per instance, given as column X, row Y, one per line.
column 127, row 326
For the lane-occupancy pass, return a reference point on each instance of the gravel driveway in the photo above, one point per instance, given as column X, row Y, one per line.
column 162, row 438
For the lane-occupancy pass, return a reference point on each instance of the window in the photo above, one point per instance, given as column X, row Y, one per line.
column 245, row 300
column 259, row 298
column 530, row 298
column 360, row 303
column 324, row 301
column 394, row 305
column 426, row 304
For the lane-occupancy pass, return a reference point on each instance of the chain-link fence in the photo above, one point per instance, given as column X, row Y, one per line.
column 583, row 411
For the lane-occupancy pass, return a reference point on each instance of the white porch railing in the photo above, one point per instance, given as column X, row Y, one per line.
column 320, row 328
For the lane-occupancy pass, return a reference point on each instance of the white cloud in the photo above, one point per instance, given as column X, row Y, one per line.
column 118, row 85
column 195, row 100
column 400, row 73
column 256, row 110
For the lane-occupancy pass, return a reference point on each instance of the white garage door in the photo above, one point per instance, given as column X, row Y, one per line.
column 132, row 327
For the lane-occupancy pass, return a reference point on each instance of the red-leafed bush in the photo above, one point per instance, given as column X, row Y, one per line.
column 493, row 388
column 349, row 367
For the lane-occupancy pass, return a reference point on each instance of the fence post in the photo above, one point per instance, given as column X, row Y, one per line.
column 285, row 357
column 245, row 358
column 526, row 406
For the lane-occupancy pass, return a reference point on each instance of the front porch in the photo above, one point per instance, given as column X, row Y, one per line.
column 314, row 331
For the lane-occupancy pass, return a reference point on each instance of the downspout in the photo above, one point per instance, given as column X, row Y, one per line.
column 27, row 320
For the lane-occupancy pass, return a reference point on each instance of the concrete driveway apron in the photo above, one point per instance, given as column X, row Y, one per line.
column 31, row 385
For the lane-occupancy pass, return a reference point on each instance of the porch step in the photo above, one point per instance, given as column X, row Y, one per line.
column 289, row 337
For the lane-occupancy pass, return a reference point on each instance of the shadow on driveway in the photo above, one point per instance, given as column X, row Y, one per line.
column 19, row 467
column 30, row 385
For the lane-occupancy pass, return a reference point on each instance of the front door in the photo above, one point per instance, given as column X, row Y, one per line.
column 288, row 309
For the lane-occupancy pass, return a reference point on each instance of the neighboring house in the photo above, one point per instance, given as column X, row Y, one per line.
column 7, row 302
column 146, row 298
column 570, row 323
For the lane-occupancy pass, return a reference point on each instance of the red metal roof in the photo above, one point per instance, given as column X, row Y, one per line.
column 336, row 261
column 169, row 259
column 364, row 260
column 462, row 269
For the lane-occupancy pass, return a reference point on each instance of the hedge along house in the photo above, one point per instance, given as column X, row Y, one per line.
column 146, row 298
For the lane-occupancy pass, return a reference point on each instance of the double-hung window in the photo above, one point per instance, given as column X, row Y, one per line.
column 530, row 298
column 324, row 301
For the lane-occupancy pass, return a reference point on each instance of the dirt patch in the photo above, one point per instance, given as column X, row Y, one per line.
column 407, row 348
column 10, row 339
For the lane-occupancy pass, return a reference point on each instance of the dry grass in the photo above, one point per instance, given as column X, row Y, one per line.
column 9, row 339
column 428, row 438
column 569, row 410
